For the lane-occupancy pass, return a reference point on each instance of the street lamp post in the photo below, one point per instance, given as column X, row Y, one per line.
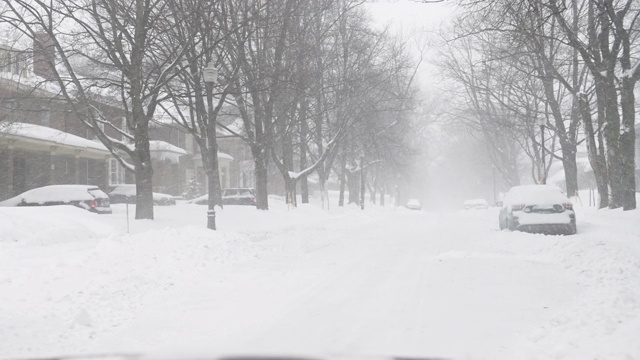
column 210, row 74
column 543, row 177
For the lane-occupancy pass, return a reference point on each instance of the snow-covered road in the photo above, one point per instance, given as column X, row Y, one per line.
column 379, row 282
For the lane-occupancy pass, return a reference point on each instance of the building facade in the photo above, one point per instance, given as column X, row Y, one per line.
column 43, row 142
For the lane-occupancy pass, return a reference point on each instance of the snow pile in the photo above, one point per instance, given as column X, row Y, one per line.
column 604, row 322
column 35, row 226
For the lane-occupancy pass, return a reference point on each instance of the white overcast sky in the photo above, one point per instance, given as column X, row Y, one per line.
column 416, row 21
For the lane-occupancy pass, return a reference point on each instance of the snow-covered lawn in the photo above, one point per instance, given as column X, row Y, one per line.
column 384, row 281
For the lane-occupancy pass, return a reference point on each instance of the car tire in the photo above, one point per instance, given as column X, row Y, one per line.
column 510, row 225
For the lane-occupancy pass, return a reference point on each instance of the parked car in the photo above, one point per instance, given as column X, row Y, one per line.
column 88, row 197
column 200, row 200
column 538, row 208
column 126, row 193
column 414, row 204
column 238, row 196
column 230, row 196
column 475, row 204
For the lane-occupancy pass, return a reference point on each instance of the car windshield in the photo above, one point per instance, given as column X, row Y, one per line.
column 97, row 193
column 311, row 179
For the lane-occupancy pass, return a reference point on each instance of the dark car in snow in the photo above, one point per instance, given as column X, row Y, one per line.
column 538, row 208
column 88, row 197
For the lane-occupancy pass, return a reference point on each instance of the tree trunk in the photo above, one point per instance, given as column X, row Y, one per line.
column 627, row 145
column 372, row 195
column 262, row 191
column 353, row 184
column 567, row 146
column 343, row 180
column 323, row 197
column 304, row 130
column 290, row 192
column 612, row 140
column 144, row 173
column 287, row 162
column 570, row 168
column 597, row 160
column 363, row 177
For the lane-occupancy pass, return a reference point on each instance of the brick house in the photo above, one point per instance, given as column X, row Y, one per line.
column 42, row 142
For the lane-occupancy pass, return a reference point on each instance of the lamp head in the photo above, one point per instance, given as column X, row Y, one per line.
column 210, row 73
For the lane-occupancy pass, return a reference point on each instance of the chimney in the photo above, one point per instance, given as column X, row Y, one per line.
column 44, row 55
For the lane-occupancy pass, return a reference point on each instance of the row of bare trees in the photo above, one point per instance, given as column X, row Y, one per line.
column 572, row 65
column 318, row 89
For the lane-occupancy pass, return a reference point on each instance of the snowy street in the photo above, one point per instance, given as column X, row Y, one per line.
column 386, row 281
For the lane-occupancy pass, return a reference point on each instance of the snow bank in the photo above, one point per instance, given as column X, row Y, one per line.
column 604, row 322
column 50, row 225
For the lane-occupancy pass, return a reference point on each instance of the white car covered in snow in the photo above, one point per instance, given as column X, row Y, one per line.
column 414, row 204
column 475, row 204
column 88, row 197
column 126, row 193
column 538, row 208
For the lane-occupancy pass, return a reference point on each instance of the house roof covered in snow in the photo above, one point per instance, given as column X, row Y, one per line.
column 159, row 145
column 34, row 137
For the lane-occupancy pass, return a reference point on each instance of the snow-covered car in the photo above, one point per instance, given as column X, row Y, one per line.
column 475, row 204
column 538, row 208
column 414, row 204
column 200, row 200
column 126, row 193
column 231, row 196
column 87, row 197
column 238, row 196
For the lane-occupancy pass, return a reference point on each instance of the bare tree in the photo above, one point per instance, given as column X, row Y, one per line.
column 602, row 41
column 109, row 50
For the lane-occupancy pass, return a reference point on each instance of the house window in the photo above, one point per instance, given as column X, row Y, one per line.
column 18, row 60
column 12, row 62
column 116, row 172
column 5, row 61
